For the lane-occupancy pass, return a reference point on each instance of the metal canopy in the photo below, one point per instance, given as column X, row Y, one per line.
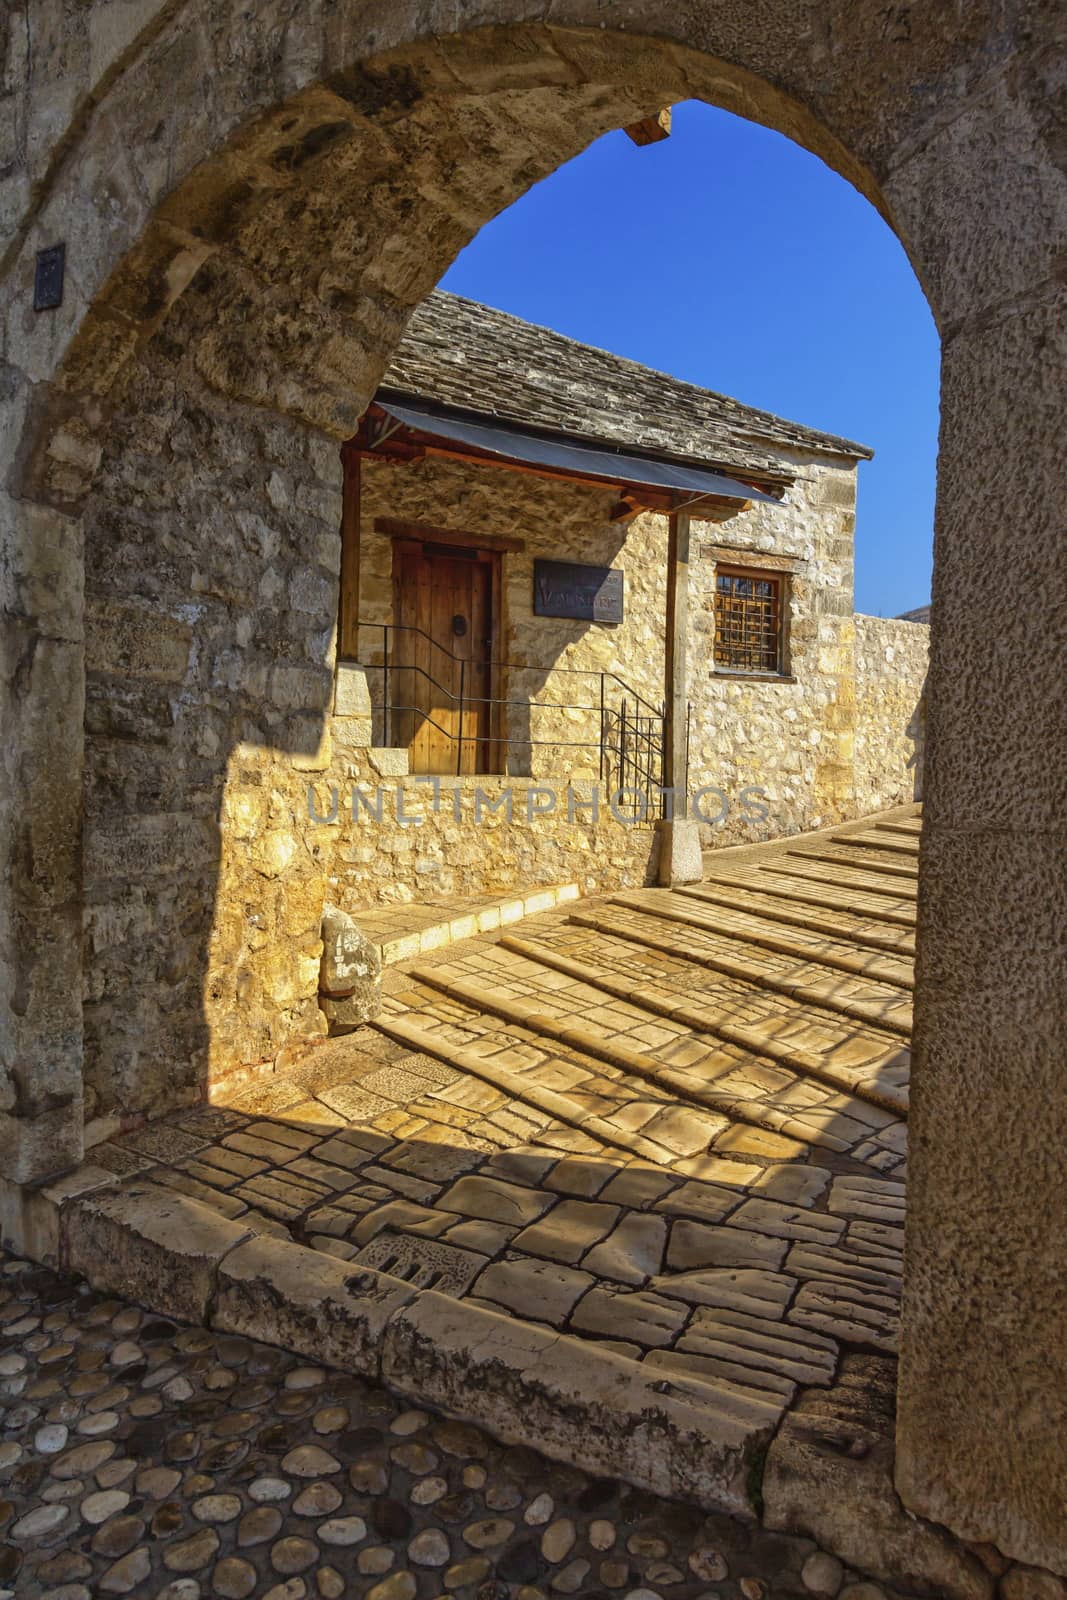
column 581, row 460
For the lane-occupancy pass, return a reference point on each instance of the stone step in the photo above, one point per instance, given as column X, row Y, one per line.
column 487, row 1068
column 910, row 827
column 824, row 894
column 613, row 1108
column 838, row 875
column 865, row 931
column 873, row 839
column 750, row 928
column 877, row 1005
column 684, row 1086
column 866, row 861
column 694, row 1066
column 405, row 931
column 856, row 1060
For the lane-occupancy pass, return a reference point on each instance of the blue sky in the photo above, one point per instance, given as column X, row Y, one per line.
column 732, row 258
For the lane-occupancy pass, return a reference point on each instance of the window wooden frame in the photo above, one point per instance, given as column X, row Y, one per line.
column 750, row 628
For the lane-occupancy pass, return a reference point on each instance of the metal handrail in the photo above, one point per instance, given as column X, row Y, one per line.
column 631, row 735
column 511, row 666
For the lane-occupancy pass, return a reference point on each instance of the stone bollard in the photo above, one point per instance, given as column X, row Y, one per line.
column 350, row 977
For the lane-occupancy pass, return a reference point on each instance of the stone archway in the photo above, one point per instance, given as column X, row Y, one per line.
column 309, row 173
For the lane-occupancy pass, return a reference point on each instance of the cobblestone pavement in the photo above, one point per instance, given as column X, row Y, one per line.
column 141, row 1458
column 670, row 1123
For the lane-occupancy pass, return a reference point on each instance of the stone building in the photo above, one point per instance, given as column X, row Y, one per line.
column 222, row 738
column 252, row 202
column 558, row 690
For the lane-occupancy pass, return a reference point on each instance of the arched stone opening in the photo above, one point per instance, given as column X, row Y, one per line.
column 271, row 285
column 379, row 162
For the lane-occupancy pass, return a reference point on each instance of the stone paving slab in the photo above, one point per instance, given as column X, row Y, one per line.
column 746, row 928
column 884, row 860
column 682, row 1176
column 828, row 894
column 881, row 838
column 682, row 1049
column 566, row 1239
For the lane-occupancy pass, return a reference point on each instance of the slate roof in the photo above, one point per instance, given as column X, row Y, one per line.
column 458, row 353
column 920, row 614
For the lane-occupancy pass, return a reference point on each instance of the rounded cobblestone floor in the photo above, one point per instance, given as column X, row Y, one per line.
column 141, row 1458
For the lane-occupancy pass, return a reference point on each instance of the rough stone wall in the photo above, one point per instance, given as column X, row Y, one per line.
column 212, row 554
column 891, row 663
column 470, row 845
column 790, row 736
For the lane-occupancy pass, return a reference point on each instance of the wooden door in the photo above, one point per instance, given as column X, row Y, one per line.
column 440, row 681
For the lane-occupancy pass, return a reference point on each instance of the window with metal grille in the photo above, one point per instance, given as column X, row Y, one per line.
column 748, row 620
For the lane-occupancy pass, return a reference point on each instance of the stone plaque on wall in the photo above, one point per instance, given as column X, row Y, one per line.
column 571, row 589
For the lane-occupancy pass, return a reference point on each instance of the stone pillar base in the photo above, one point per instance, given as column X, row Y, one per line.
column 680, row 859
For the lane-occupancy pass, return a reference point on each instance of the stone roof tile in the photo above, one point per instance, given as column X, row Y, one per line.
column 458, row 353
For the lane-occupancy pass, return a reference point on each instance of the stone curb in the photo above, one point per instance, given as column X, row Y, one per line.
column 573, row 1402
column 521, row 1382
column 148, row 1244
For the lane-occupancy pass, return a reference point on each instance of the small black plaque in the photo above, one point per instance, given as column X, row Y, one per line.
column 48, row 278
column 569, row 589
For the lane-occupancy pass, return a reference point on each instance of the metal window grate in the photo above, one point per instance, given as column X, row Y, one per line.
column 748, row 621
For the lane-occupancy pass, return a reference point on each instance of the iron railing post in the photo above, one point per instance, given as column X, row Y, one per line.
column 688, row 725
column 387, row 711
column 459, row 746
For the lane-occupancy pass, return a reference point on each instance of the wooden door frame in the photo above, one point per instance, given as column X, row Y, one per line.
column 411, row 539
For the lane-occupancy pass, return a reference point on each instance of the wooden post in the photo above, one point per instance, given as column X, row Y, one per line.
column 674, row 673
column 348, row 612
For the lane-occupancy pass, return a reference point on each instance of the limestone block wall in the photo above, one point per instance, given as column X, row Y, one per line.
column 212, row 551
column 791, row 736
column 473, row 836
column 891, row 664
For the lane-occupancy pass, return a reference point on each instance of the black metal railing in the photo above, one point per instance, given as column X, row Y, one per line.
column 626, row 743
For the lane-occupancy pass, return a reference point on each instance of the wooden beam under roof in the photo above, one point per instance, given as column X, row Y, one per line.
column 650, row 130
